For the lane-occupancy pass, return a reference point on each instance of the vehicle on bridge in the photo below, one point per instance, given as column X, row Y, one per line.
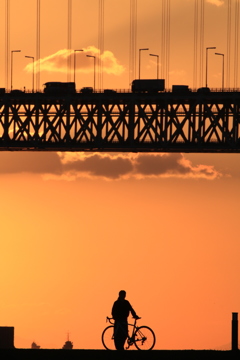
column 148, row 85
column 17, row 92
column 87, row 90
column 180, row 89
column 57, row 87
column 109, row 91
column 204, row 90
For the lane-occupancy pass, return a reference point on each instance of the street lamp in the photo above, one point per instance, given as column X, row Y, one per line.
column 157, row 56
column 74, row 64
column 12, row 65
column 32, row 57
column 94, row 75
column 208, row 48
column 140, row 60
column 222, row 69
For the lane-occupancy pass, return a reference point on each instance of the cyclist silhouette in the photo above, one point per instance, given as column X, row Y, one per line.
column 120, row 312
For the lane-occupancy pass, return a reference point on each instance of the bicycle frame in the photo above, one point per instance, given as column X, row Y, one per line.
column 130, row 339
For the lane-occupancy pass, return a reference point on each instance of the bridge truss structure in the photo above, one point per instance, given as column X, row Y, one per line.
column 121, row 122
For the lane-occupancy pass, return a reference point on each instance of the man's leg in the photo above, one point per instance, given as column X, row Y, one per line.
column 120, row 335
column 117, row 336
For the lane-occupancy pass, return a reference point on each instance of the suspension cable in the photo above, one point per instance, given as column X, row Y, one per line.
column 236, row 44
column 38, row 46
column 163, row 48
column 228, row 62
column 100, row 43
column 167, row 42
column 201, row 41
column 133, row 40
column 165, row 38
column 195, row 47
column 7, row 42
column 69, row 43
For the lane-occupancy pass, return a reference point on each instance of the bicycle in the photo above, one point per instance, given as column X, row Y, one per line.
column 142, row 337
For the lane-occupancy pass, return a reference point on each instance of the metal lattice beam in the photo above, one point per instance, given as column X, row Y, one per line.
column 164, row 122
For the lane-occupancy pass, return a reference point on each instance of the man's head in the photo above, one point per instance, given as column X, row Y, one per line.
column 122, row 294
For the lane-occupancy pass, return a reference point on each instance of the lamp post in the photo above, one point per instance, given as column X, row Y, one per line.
column 94, row 74
column 74, row 65
column 32, row 57
column 12, row 65
column 222, row 69
column 157, row 56
column 208, row 48
column 140, row 60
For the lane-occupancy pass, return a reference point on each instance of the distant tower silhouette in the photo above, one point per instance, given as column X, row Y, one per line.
column 35, row 346
column 68, row 344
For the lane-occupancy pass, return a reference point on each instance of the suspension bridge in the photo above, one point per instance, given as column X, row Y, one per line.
column 119, row 122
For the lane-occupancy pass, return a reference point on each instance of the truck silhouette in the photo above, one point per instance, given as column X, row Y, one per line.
column 57, row 87
column 148, row 85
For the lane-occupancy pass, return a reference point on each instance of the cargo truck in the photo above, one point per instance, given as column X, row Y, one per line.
column 148, row 85
column 57, row 87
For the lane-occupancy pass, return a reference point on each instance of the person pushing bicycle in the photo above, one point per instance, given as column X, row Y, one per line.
column 120, row 312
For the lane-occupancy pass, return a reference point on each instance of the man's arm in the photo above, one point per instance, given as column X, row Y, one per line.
column 133, row 312
column 113, row 311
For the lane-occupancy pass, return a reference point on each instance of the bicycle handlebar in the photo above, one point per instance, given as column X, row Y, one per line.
column 111, row 319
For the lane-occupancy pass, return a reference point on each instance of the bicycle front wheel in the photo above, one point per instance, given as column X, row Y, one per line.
column 108, row 338
column 144, row 338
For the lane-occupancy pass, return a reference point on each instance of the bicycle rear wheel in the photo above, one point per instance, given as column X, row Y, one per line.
column 108, row 338
column 144, row 338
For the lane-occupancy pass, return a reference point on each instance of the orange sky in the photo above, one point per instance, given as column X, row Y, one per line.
column 77, row 228
column 54, row 37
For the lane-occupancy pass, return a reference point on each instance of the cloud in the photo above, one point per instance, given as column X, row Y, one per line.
column 58, row 62
column 110, row 64
column 72, row 166
column 97, row 165
column 172, row 165
column 30, row 162
column 138, row 166
column 216, row 2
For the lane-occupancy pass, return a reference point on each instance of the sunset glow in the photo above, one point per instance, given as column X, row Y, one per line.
column 78, row 227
